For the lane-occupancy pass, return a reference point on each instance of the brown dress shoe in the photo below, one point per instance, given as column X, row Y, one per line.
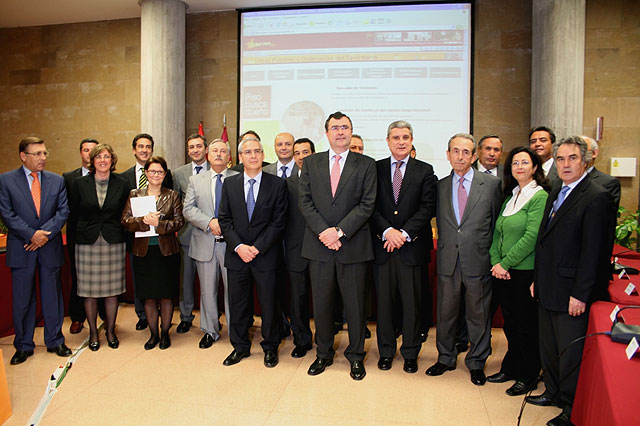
column 76, row 327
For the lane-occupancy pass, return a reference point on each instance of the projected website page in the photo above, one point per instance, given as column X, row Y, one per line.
column 377, row 64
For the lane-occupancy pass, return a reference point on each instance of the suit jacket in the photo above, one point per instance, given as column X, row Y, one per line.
column 271, row 169
column 609, row 183
column 413, row 213
column 198, row 211
column 69, row 177
column 93, row 219
column 573, row 251
column 264, row 231
column 170, row 205
column 350, row 209
column 500, row 169
column 180, row 184
column 19, row 215
column 294, row 232
column 552, row 176
column 470, row 241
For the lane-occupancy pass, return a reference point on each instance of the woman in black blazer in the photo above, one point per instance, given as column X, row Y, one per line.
column 97, row 201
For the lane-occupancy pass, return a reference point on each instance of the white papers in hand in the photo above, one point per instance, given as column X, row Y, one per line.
column 141, row 206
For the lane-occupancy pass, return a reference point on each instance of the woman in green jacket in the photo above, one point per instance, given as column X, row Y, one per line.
column 512, row 257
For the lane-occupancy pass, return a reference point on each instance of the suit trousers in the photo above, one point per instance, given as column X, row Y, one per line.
column 24, row 306
column 138, row 304
column 557, row 330
column 476, row 291
column 209, row 274
column 187, row 289
column 395, row 278
column 299, row 307
column 327, row 278
column 240, row 295
column 520, row 312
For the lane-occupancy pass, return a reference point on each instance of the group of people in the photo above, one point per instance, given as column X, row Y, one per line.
column 533, row 236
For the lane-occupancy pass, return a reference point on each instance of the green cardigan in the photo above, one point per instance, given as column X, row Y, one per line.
column 514, row 238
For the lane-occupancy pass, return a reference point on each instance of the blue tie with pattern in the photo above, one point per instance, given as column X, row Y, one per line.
column 218, row 192
column 284, row 172
column 251, row 200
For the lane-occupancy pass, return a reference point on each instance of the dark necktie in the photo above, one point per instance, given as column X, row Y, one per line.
column 218, row 191
column 142, row 183
column 462, row 198
column 284, row 172
column 397, row 181
column 488, row 172
column 198, row 169
column 251, row 200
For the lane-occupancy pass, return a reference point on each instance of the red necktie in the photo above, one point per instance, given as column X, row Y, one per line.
column 335, row 175
column 35, row 191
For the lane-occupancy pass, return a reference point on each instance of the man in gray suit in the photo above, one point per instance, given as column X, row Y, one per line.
column 207, row 246
column 469, row 202
column 197, row 149
column 285, row 165
column 608, row 182
column 489, row 153
column 337, row 198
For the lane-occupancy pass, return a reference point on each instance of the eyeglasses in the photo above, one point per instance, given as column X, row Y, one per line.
column 250, row 152
column 344, row 127
column 518, row 163
column 156, row 172
column 44, row 154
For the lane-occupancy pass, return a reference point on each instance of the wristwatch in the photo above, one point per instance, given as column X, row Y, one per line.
column 339, row 231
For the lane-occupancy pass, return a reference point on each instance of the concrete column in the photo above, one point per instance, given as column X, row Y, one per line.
column 162, row 77
column 557, row 59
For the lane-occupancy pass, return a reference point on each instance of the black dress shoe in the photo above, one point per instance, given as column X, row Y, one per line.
column 94, row 346
column 385, row 363
column 521, row 388
column 410, row 365
column 206, row 341
column 235, row 357
column 151, row 343
column 300, row 351
column 270, row 358
column 357, row 370
column 461, row 347
column 165, row 341
column 367, row 333
column 438, row 369
column 477, row 377
column 319, row 365
column 20, row 356
column 337, row 328
column 499, row 377
column 141, row 324
column 562, row 419
column 423, row 337
column 60, row 350
column 544, row 400
column 113, row 342
column 183, row 327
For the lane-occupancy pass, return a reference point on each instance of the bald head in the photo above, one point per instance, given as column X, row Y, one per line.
column 284, row 147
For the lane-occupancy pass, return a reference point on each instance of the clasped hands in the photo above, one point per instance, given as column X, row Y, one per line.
column 329, row 237
column 247, row 253
column 394, row 239
column 499, row 272
column 39, row 239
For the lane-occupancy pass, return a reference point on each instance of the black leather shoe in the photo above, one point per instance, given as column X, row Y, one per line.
column 94, row 346
column 151, row 343
column 235, row 357
column 543, row 400
column 20, row 356
column 300, row 351
column 319, row 365
column 183, row 327
column 60, row 350
column 165, row 341
column 357, row 370
column 367, row 333
column 423, row 337
column 206, row 341
column 270, row 358
column 521, row 388
column 477, row 377
column 410, row 365
column 337, row 328
column 385, row 363
column 141, row 324
column 438, row 369
column 461, row 347
column 562, row 419
column 499, row 377
column 113, row 342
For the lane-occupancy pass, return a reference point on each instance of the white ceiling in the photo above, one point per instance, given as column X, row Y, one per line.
column 26, row 13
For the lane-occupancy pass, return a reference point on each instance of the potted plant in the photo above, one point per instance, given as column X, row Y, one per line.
column 3, row 234
column 627, row 228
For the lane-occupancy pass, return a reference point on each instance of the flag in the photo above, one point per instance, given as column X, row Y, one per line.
column 201, row 128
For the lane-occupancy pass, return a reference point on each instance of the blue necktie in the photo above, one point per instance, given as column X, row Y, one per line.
column 198, row 168
column 558, row 202
column 218, row 193
column 284, row 172
column 251, row 200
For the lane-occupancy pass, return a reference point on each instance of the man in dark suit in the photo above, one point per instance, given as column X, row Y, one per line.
column 76, row 303
column 468, row 205
column 142, row 145
column 541, row 140
column 571, row 271
column 406, row 201
column 197, row 148
column 33, row 206
column 337, row 198
column 249, row 134
column 252, row 218
column 296, row 264
column 608, row 182
column 489, row 153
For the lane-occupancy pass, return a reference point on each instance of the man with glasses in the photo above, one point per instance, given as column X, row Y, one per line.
column 33, row 206
column 337, row 239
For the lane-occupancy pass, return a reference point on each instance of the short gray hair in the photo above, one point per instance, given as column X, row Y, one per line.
column 577, row 141
column 247, row 139
column 400, row 124
column 592, row 142
column 222, row 140
column 463, row 136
